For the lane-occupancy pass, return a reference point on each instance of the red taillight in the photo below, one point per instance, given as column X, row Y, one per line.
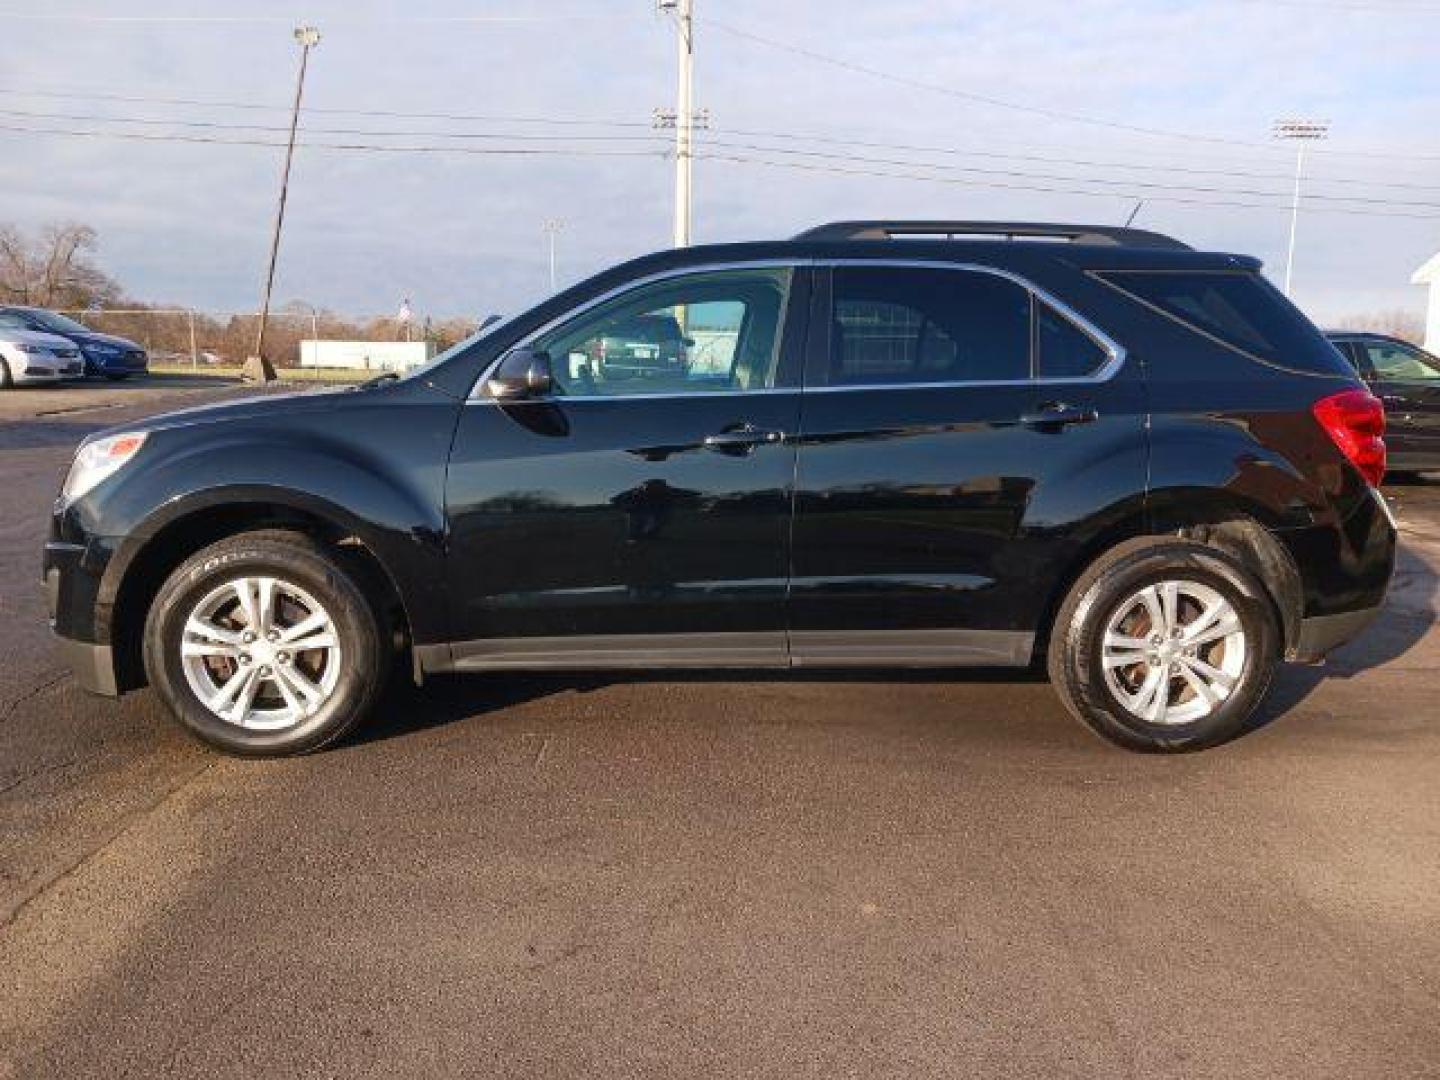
column 1355, row 421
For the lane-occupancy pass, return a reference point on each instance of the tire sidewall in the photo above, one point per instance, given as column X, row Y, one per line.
column 362, row 661
column 1098, row 605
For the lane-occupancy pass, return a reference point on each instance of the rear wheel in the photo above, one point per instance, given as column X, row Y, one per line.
column 265, row 644
column 1164, row 645
column 6, row 382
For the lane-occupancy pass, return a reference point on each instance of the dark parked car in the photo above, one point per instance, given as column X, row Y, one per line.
column 1131, row 461
column 105, row 354
column 647, row 346
column 1406, row 379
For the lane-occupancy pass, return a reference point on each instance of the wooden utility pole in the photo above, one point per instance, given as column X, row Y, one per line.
column 258, row 367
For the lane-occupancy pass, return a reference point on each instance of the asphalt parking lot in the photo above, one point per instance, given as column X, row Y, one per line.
column 867, row 876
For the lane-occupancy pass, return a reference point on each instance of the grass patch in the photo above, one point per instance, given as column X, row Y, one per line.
column 290, row 375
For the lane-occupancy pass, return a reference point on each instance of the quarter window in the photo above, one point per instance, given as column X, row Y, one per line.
column 1063, row 350
column 917, row 325
column 701, row 333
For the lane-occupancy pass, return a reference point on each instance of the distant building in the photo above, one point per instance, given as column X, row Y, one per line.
column 366, row 355
column 1429, row 275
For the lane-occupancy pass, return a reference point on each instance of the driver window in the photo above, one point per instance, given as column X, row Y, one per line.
column 1401, row 362
column 695, row 334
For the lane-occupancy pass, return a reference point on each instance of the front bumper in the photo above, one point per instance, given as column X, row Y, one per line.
column 72, row 574
column 127, row 363
column 92, row 665
column 33, row 368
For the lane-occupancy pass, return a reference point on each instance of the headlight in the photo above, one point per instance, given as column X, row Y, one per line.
column 103, row 350
column 20, row 346
column 98, row 459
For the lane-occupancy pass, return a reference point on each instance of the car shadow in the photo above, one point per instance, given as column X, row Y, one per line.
column 1406, row 619
column 405, row 709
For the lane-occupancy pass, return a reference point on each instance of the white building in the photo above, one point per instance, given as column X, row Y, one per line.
column 1429, row 275
column 366, row 355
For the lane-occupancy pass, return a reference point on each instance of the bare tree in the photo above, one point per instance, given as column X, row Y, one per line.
column 54, row 269
column 1398, row 322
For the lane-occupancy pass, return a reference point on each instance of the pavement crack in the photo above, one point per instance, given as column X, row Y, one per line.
column 43, row 885
column 48, row 681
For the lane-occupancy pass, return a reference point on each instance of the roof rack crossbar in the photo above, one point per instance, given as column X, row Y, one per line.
column 1108, row 235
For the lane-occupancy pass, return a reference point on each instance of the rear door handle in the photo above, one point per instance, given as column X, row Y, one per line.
column 741, row 440
column 1054, row 415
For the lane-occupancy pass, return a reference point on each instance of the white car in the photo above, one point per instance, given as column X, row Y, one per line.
column 29, row 356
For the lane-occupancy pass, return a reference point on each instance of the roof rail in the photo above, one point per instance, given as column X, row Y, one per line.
column 1108, row 235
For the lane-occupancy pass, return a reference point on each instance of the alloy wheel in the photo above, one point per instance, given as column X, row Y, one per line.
column 1173, row 652
column 261, row 653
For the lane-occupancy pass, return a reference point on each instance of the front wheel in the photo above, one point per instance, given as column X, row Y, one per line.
column 265, row 645
column 1164, row 645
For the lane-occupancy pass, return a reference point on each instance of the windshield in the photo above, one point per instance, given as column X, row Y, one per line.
column 52, row 321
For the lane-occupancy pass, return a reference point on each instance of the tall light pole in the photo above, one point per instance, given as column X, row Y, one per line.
column 683, row 11
column 1302, row 133
column 258, row 368
column 551, row 227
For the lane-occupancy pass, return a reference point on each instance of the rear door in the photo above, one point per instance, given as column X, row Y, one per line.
column 1407, row 380
column 641, row 520
column 957, row 429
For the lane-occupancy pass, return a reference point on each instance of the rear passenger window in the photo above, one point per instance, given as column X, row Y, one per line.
column 915, row 325
column 1065, row 351
column 1240, row 309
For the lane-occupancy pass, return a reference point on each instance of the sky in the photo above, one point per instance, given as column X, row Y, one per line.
column 1032, row 110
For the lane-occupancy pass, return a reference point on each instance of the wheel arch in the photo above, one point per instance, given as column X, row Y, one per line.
column 141, row 565
column 1231, row 524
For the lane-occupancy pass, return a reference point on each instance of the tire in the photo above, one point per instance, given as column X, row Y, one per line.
column 6, row 382
column 1107, row 604
column 302, row 699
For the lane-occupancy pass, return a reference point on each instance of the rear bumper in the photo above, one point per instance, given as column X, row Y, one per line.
column 1322, row 633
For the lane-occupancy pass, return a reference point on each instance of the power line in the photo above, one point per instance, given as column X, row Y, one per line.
column 223, row 126
column 1089, row 162
column 785, row 136
column 287, row 20
column 1343, row 5
column 1127, row 185
column 1119, row 185
column 1046, row 189
column 389, row 114
column 977, row 98
column 88, row 95
column 521, row 151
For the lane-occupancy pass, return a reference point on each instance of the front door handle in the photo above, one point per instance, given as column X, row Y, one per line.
column 1054, row 415
column 741, row 440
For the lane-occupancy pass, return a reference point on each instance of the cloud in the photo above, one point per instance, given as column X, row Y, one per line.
column 461, row 233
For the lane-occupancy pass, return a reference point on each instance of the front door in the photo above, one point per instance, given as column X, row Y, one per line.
column 956, row 428
column 638, row 516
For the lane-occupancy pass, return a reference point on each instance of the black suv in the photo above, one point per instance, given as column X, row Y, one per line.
column 918, row 444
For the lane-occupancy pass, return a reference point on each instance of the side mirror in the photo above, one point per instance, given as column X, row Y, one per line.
column 521, row 375
column 688, row 342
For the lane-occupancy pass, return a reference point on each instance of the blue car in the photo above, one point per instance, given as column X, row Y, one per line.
column 105, row 354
